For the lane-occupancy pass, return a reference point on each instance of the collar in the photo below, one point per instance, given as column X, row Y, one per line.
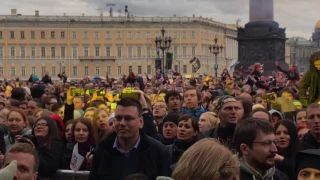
column 116, row 145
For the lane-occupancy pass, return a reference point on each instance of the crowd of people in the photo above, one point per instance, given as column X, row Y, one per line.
column 247, row 127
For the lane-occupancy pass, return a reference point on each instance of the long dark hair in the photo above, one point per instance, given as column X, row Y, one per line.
column 86, row 122
column 53, row 133
column 64, row 130
column 291, row 150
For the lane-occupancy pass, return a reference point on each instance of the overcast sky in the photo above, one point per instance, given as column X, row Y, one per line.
column 298, row 16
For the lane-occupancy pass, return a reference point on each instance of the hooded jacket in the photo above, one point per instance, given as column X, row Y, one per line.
column 248, row 173
column 9, row 140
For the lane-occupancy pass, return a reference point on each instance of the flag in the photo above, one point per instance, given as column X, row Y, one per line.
column 76, row 159
column 196, row 65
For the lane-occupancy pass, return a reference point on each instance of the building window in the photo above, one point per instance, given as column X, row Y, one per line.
column 12, row 52
column 63, row 68
column 75, row 70
column 74, row 52
column 185, row 69
column 193, row 35
column 53, row 51
column 139, row 52
column 43, row 70
column 119, row 51
column 157, row 34
column 74, row 35
column 184, row 35
column 139, row 70
column 13, row 71
column 63, row 52
column 184, row 51
column 138, row 35
column 85, row 35
column 109, row 70
column 129, row 35
column 86, row 51
column 33, row 51
column 22, row 51
column 97, row 51
column 53, row 35
column 97, row 70
column 130, row 69
column 22, row 34
column 107, row 35
column 86, row 70
column 62, row 34
column 1, row 70
column 0, row 34
column 119, row 70
column 166, row 34
column 149, row 69
column 176, row 68
column 1, row 51
column 33, row 70
column 148, row 51
column 193, row 51
column 148, row 36
column 96, row 35
column 33, row 35
column 108, row 51
column 175, row 35
column 53, row 72
column 23, row 71
column 11, row 34
column 119, row 35
column 175, row 50
column 43, row 51
column 129, row 52
column 43, row 35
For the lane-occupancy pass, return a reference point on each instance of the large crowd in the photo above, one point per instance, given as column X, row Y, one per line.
column 243, row 126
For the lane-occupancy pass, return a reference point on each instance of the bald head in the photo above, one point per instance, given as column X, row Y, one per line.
column 246, row 96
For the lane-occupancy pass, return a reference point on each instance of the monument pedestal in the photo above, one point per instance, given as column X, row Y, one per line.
column 263, row 42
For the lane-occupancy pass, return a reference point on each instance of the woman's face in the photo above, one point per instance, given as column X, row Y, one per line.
column 301, row 118
column 186, row 132
column 68, row 132
column 203, row 123
column 309, row 174
column 89, row 115
column 41, row 129
column 81, row 133
column 169, row 130
column 16, row 123
column 283, row 137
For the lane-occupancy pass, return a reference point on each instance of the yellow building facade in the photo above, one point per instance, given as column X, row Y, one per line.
column 89, row 45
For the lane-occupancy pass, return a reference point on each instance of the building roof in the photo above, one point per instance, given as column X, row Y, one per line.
column 318, row 25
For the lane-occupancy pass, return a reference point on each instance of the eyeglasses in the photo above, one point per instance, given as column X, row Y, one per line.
column 158, row 106
column 268, row 143
column 41, row 125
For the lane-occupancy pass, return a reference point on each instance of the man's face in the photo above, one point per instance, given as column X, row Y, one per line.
column 32, row 108
column 128, row 122
column 231, row 113
column 169, row 130
column 24, row 108
column 78, row 103
column 52, row 102
column 159, row 109
column 191, row 99
column 261, row 155
column 288, row 96
column 317, row 64
column 174, row 103
column 313, row 115
column 25, row 165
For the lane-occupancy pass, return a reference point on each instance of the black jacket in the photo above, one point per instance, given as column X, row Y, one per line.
column 309, row 142
column 223, row 134
column 46, row 79
column 292, row 76
column 278, row 175
column 150, row 158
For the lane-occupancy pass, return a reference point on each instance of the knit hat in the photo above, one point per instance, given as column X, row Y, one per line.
column 223, row 100
column 308, row 159
column 171, row 117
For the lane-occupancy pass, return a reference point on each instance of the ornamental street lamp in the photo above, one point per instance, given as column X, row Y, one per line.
column 216, row 49
column 163, row 43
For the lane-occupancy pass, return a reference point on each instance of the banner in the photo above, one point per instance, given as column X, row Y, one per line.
column 76, row 159
column 196, row 65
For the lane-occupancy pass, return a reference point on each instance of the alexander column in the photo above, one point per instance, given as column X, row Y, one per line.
column 261, row 40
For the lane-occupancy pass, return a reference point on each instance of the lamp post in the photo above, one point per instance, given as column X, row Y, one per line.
column 163, row 43
column 60, row 65
column 216, row 49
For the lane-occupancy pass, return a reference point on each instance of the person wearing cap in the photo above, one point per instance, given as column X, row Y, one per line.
column 229, row 111
column 307, row 164
column 169, row 129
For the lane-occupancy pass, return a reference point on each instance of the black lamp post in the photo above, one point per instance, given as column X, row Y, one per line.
column 216, row 49
column 163, row 43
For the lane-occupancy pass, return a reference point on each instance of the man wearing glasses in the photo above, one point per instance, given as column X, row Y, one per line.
column 256, row 146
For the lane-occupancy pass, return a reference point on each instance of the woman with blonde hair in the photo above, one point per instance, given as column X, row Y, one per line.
column 102, row 128
column 207, row 159
column 208, row 120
